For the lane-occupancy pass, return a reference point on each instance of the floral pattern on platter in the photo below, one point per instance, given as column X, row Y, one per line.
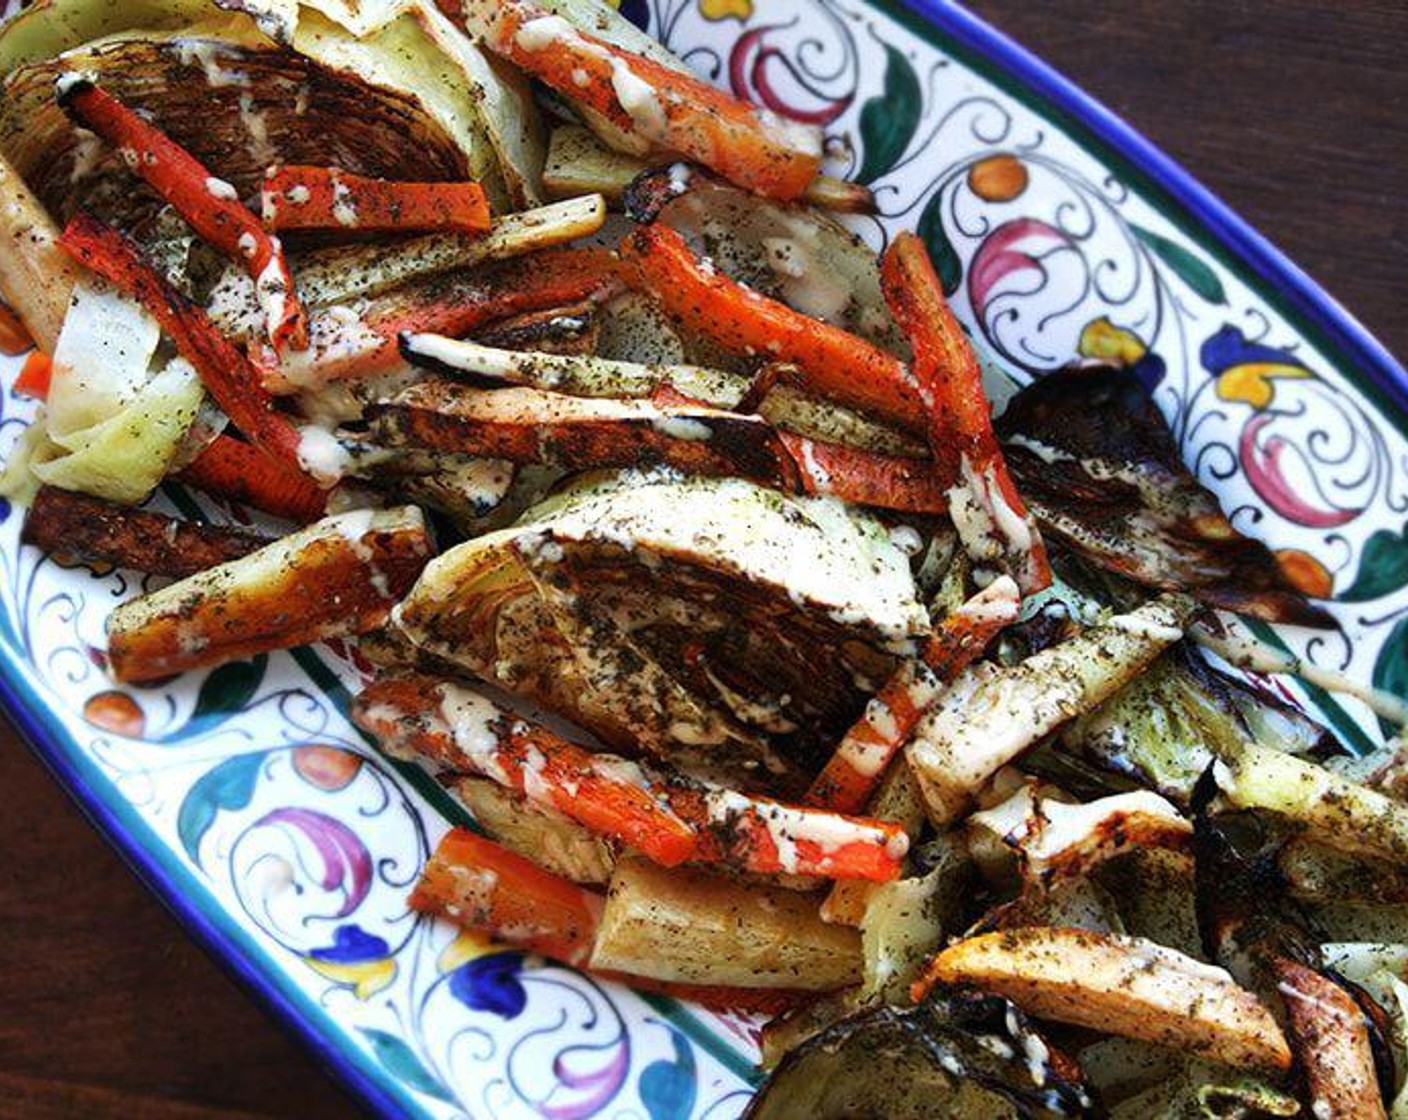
column 260, row 799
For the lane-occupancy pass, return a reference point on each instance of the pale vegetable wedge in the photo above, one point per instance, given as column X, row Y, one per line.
column 1336, row 811
column 1120, row 985
column 991, row 715
column 691, row 928
column 36, row 276
column 335, row 578
column 1332, row 1041
column 544, row 835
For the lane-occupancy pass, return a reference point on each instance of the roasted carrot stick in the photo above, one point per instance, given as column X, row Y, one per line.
column 988, row 512
column 479, row 884
column 847, row 781
column 223, row 368
column 669, row 110
column 231, row 468
column 425, row 716
column 347, row 347
column 34, row 376
column 865, row 477
column 209, row 204
column 703, row 301
column 14, row 338
column 327, row 198
column 665, row 818
column 95, row 531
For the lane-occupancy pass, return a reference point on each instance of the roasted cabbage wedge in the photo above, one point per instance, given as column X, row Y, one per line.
column 711, row 621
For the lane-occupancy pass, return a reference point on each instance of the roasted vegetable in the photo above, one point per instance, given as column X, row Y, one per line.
column 668, row 820
column 36, row 276
column 960, row 1056
column 992, row 521
column 1100, row 469
column 721, row 605
column 1120, row 985
column 333, row 579
column 1332, row 1039
column 991, row 715
column 327, row 198
column 688, row 927
column 92, row 531
column 660, row 107
column 552, row 839
column 241, row 472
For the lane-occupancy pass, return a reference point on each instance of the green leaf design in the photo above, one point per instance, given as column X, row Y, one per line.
column 1383, row 567
column 400, row 1061
column 888, row 121
column 1391, row 669
column 227, row 691
column 941, row 250
column 229, row 786
column 1191, row 269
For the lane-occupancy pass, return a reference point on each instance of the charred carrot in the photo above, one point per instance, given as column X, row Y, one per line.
column 34, row 376
column 231, row 468
column 990, row 516
column 668, row 110
column 14, row 338
column 667, row 819
column 854, row 771
column 344, row 346
column 484, row 886
column 703, row 301
column 328, row 198
column 429, row 717
column 479, row 884
column 209, row 204
column 865, row 477
column 94, row 531
column 223, row 368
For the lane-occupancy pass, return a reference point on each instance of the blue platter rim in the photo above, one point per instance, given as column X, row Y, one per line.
column 1022, row 72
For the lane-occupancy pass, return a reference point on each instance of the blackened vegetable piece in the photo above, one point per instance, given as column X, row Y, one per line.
column 950, row 1058
column 91, row 530
column 1098, row 465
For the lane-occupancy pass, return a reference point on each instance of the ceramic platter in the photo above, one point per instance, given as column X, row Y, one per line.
column 286, row 845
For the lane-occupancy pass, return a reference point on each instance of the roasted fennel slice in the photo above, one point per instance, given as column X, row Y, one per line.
column 734, row 629
column 954, row 1057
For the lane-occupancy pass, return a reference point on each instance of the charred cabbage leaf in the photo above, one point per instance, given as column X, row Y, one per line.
column 1098, row 466
column 964, row 1056
column 735, row 629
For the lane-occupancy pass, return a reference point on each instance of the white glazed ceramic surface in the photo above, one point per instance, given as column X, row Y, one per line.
column 247, row 797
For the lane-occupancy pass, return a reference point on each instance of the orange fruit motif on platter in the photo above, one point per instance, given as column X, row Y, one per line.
column 328, row 768
column 117, row 712
column 1305, row 573
column 998, row 178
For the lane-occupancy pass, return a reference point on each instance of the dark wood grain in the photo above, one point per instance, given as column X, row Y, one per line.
column 1295, row 112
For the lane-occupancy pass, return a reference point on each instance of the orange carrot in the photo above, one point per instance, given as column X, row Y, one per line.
column 866, row 477
column 703, row 301
column 994, row 523
column 666, row 818
column 209, row 204
column 854, row 771
column 34, row 376
column 223, row 368
column 669, row 110
column 233, row 469
column 14, row 338
column 480, row 884
column 418, row 713
column 327, row 198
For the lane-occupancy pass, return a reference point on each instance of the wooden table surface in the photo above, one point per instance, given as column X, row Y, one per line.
column 1294, row 112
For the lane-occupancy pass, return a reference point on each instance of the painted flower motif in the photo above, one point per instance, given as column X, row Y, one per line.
column 355, row 959
column 1247, row 371
column 490, row 983
column 716, row 10
column 1103, row 340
